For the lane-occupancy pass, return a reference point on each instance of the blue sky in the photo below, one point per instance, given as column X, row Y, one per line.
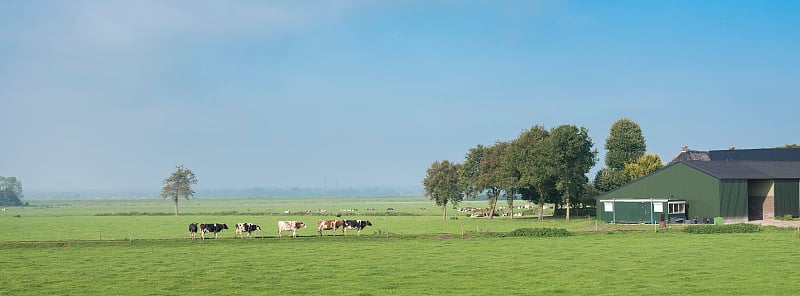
column 113, row 94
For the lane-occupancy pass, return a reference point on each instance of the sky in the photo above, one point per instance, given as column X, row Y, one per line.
column 105, row 95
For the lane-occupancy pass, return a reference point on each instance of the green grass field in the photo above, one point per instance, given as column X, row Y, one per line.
column 97, row 247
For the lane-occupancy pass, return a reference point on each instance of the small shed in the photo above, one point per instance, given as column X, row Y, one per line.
column 644, row 210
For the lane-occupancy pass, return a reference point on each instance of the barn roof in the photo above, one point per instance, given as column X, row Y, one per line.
column 686, row 155
column 751, row 164
column 747, row 169
column 766, row 154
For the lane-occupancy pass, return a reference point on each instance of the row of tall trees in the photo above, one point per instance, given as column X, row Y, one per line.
column 540, row 166
column 10, row 191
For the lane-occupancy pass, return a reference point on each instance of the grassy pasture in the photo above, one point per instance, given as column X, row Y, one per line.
column 422, row 255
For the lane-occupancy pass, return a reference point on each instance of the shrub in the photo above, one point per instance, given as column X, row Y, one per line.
column 729, row 228
column 539, row 232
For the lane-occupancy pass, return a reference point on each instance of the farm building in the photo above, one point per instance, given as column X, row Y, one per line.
column 737, row 185
column 642, row 210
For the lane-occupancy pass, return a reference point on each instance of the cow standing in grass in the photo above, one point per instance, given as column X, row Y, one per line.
column 289, row 225
column 215, row 228
column 193, row 230
column 329, row 225
column 241, row 228
column 355, row 224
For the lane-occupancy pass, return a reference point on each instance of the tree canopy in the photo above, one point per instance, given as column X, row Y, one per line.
column 625, row 143
column 537, row 178
column 443, row 184
column 491, row 177
column 10, row 191
column 644, row 165
column 540, row 165
column 471, row 170
column 607, row 179
column 178, row 185
column 573, row 157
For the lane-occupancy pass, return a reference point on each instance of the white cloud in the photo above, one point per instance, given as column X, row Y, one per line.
column 99, row 50
column 122, row 24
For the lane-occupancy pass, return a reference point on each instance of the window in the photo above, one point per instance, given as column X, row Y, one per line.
column 658, row 207
column 608, row 206
column 677, row 207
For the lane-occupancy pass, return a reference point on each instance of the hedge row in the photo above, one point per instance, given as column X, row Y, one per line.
column 539, row 232
column 729, row 228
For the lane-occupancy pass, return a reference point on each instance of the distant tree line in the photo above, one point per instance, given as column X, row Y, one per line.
column 10, row 191
column 542, row 166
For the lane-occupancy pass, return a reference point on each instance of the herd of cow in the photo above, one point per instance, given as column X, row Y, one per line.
column 292, row 226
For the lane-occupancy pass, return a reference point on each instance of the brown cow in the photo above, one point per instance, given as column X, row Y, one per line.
column 329, row 225
column 289, row 225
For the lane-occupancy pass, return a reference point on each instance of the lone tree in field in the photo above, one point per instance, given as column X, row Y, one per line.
column 178, row 185
column 442, row 184
column 10, row 191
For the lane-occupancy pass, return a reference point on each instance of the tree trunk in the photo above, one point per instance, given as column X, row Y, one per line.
column 511, row 206
column 176, row 207
column 566, row 201
column 493, row 202
column 541, row 208
column 444, row 213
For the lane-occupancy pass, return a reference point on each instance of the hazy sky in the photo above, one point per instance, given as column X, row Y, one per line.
column 114, row 94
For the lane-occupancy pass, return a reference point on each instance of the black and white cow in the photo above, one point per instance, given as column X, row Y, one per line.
column 246, row 227
column 355, row 224
column 193, row 230
column 215, row 228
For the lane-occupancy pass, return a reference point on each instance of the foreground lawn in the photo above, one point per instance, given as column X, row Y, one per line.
column 611, row 264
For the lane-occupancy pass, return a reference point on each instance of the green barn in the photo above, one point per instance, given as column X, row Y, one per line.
column 627, row 211
column 737, row 185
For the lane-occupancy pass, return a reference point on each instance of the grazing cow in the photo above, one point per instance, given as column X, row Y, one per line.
column 289, row 225
column 214, row 228
column 355, row 224
column 193, row 230
column 246, row 227
column 329, row 225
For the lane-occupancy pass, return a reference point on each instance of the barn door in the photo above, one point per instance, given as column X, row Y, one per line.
column 755, row 208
